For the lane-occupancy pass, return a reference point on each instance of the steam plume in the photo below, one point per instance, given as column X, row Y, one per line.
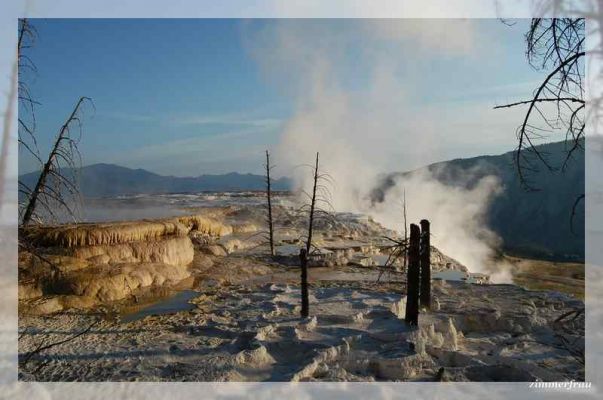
column 376, row 129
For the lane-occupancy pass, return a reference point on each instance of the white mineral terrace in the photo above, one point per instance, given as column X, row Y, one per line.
column 195, row 296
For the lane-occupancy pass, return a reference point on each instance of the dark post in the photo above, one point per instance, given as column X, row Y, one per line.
column 413, row 277
column 269, row 197
column 425, row 263
column 303, row 258
column 405, row 266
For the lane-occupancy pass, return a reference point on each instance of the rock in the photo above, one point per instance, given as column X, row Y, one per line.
column 100, row 259
column 79, row 302
column 451, row 336
column 29, row 290
column 451, row 375
column 110, row 283
column 46, row 305
column 255, row 357
column 321, row 370
column 449, row 358
column 425, row 335
column 171, row 251
column 232, row 245
column 276, row 288
column 264, row 332
column 399, row 308
column 214, row 250
column 68, row 264
column 399, row 368
column 244, row 228
column 212, row 283
column 358, row 317
column 484, row 321
column 436, row 304
column 308, row 324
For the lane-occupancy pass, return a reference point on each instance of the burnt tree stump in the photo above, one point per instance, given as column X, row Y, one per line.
column 303, row 259
column 425, row 265
column 413, row 277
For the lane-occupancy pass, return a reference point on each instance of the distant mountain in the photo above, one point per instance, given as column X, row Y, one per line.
column 103, row 180
column 532, row 224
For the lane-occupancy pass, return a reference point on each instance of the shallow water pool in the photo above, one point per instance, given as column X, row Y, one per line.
column 179, row 301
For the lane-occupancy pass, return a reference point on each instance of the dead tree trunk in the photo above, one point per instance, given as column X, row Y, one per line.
column 61, row 151
column 303, row 259
column 405, row 264
column 413, row 277
column 269, row 197
column 425, row 265
column 312, row 208
column 305, row 253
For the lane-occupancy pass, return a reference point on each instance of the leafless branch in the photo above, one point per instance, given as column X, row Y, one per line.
column 54, row 189
column 555, row 44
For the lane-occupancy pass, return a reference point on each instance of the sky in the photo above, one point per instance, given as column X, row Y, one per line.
column 187, row 97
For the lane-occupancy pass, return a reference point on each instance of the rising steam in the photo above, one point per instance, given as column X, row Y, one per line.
column 375, row 129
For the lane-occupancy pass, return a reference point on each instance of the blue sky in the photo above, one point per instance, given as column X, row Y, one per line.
column 187, row 97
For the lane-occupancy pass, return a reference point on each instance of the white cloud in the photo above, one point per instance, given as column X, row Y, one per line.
column 226, row 119
column 456, row 36
column 394, row 9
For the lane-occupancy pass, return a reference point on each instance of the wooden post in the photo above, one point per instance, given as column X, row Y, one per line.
column 413, row 277
column 303, row 258
column 405, row 266
column 425, row 265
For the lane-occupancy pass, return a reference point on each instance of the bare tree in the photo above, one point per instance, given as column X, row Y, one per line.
column 269, row 205
column 557, row 105
column 266, row 235
column 26, row 120
column 312, row 207
column 399, row 248
column 304, row 253
column 56, row 190
column 320, row 195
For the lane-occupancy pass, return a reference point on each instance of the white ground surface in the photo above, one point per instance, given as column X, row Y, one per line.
column 356, row 332
column 239, row 321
